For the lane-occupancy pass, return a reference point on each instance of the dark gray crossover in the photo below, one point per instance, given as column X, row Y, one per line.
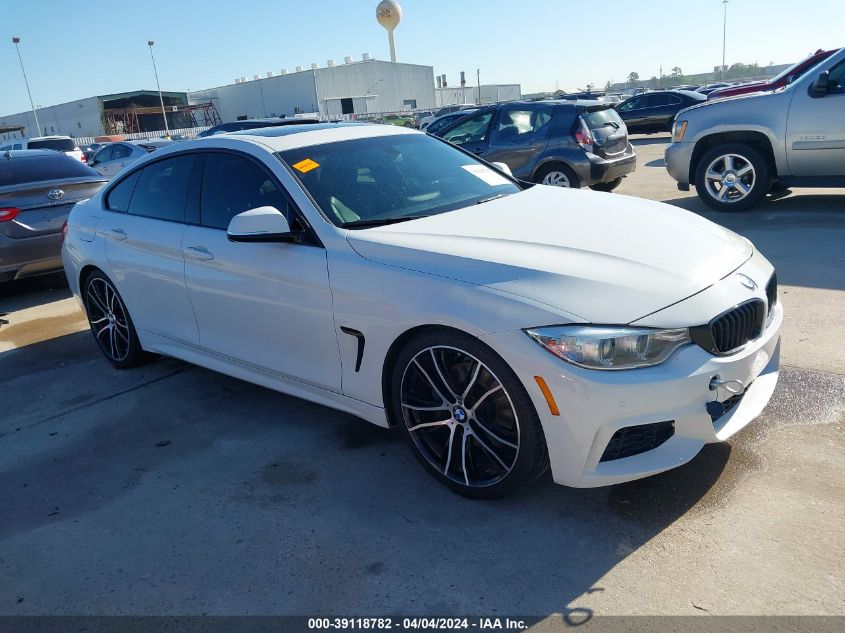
column 38, row 188
column 561, row 143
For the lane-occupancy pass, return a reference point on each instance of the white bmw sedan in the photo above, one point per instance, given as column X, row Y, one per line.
column 502, row 327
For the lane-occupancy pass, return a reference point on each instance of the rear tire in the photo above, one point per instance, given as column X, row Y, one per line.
column 110, row 322
column 557, row 175
column 492, row 442
column 607, row 186
column 732, row 177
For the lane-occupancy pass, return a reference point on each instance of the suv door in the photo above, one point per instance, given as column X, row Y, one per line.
column 472, row 134
column 267, row 305
column 143, row 225
column 519, row 137
column 815, row 127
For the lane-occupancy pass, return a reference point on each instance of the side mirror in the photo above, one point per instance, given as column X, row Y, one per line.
column 819, row 87
column 503, row 167
column 262, row 224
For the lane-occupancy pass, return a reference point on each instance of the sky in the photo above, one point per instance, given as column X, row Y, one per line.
column 80, row 48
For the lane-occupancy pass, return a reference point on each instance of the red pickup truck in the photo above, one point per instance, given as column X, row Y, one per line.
column 784, row 79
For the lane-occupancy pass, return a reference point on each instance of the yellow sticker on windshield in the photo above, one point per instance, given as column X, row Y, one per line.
column 306, row 165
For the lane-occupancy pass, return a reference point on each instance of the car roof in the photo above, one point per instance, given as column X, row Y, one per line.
column 31, row 153
column 53, row 137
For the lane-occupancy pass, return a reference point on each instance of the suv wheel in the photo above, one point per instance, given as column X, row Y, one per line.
column 732, row 177
column 557, row 175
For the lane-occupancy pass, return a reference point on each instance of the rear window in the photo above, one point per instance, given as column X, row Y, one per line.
column 58, row 144
column 21, row 170
column 600, row 118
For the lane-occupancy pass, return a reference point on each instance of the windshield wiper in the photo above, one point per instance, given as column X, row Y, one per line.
column 498, row 195
column 380, row 222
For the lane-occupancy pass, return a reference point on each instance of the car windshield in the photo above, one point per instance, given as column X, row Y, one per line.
column 58, row 144
column 791, row 70
column 372, row 181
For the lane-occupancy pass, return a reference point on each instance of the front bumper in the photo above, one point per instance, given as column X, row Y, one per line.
column 678, row 157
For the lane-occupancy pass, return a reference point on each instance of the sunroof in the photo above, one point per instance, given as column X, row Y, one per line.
column 285, row 130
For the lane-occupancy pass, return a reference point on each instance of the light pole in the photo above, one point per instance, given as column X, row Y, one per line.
column 158, row 85
column 478, row 80
column 17, row 42
column 724, row 38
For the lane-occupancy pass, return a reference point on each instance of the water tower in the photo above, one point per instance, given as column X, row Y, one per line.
column 389, row 14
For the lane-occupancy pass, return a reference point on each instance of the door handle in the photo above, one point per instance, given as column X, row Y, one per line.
column 117, row 234
column 197, row 252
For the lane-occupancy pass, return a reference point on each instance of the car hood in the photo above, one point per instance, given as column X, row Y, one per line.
column 602, row 257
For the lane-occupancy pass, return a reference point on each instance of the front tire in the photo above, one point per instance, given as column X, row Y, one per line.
column 110, row 322
column 732, row 177
column 465, row 415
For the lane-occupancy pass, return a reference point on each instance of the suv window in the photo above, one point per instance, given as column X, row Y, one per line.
column 664, row 99
column 162, row 189
column 471, row 130
column 119, row 197
column 521, row 126
column 42, row 168
column 836, row 79
column 233, row 184
column 58, row 144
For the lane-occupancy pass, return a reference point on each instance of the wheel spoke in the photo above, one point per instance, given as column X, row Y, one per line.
column 472, row 380
column 729, row 163
column 111, row 341
column 493, row 435
column 484, row 397
column 722, row 192
column 440, row 374
column 489, row 450
column 412, row 407
column 106, row 328
column 429, row 424
column 92, row 294
column 449, row 450
column 464, row 437
column 430, row 382
column 713, row 175
column 100, row 320
column 743, row 188
column 744, row 170
column 119, row 330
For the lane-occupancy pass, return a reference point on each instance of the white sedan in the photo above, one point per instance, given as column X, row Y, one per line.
column 502, row 327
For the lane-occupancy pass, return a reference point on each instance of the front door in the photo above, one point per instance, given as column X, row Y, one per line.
column 815, row 129
column 143, row 230
column 518, row 138
column 267, row 305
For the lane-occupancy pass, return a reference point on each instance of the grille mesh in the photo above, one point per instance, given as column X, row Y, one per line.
column 772, row 291
column 633, row 440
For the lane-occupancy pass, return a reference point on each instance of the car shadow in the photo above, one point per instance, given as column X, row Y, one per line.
column 32, row 291
column 659, row 138
column 282, row 484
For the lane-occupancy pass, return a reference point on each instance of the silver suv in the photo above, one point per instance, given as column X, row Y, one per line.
column 736, row 150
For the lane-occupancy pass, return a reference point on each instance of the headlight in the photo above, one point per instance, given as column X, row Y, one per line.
column 597, row 347
column 678, row 130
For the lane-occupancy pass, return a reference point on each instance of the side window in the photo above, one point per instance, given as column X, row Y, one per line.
column 521, row 126
column 121, row 151
column 470, row 131
column 631, row 104
column 17, row 146
column 836, row 79
column 162, row 189
column 663, row 100
column 104, row 154
column 233, row 184
column 119, row 197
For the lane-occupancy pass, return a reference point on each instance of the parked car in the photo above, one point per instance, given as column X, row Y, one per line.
column 783, row 79
column 654, row 111
column 251, row 124
column 425, row 121
column 388, row 274
column 706, row 90
column 89, row 150
column 736, row 150
column 442, row 122
column 405, row 120
column 38, row 187
column 111, row 158
column 64, row 144
column 561, row 143
column 420, row 115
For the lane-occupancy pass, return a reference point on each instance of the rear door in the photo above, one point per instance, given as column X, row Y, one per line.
column 143, row 227
column 102, row 159
column 815, row 128
column 634, row 113
column 661, row 110
column 518, row 138
column 472, row 134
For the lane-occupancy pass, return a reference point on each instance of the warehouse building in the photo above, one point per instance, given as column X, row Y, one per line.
column 352, row 88
column 122, row 113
